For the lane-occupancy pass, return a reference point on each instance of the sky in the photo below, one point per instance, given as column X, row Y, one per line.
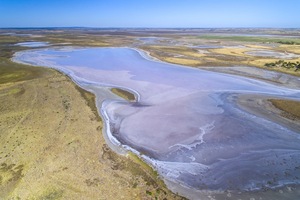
column 150, row 13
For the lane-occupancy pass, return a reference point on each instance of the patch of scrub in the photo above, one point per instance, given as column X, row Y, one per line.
column 51, row 194
column 10, row 175
column 150, row 40
column 272, row 54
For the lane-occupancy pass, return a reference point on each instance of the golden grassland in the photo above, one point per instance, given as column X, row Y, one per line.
column 231, row 51
column 182, row 61
column 290, row 48
column 52, row 145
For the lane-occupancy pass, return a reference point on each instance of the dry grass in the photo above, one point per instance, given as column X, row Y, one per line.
column 290, row 48
column 182, row 61
column 231, row 51
column 290, row 109
column 259, row 62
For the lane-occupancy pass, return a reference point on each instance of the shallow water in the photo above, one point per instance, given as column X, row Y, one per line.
column 273, row 54
column 33, row 44
column 150, row 40
column 207, row 47
column 186, row 122
column 17, row 34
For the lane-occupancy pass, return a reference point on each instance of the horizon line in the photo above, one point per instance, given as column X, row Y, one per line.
column 93, row 27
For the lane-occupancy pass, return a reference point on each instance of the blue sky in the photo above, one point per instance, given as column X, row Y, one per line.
column 150, row 13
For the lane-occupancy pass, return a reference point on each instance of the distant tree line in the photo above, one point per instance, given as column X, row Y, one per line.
column 284, row 64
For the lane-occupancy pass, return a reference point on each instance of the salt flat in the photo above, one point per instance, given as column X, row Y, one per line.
column 186, row 121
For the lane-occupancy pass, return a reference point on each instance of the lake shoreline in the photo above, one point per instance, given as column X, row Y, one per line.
column 70, row 144
column 101, row 109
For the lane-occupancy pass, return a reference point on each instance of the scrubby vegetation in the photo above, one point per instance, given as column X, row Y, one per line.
column 284, row 64
column 287, row 42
